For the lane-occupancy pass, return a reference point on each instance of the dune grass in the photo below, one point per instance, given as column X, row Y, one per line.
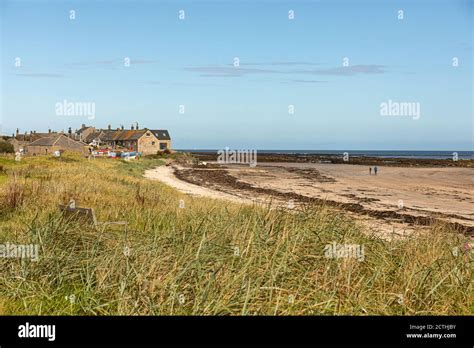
column 209, row 257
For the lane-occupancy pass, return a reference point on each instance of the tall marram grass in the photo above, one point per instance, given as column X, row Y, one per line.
column 210, row 257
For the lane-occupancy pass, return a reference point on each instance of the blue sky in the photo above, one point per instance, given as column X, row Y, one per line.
column 282, row 62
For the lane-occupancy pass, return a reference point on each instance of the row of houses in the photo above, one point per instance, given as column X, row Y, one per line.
column 146, row 141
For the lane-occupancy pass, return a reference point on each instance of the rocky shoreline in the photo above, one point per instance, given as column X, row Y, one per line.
column 338, row 159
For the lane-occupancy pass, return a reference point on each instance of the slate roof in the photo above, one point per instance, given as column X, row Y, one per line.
column 46, row 141
column 33, row 136
column 161, row 134
column 54, row 139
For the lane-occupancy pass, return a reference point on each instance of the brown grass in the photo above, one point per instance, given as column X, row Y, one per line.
column 208, row 258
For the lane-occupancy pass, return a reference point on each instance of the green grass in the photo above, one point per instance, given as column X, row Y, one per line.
column 137, row 167
column 210, row 257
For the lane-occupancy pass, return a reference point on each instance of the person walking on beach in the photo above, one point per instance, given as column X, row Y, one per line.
column 370, row 170
column 375, row 170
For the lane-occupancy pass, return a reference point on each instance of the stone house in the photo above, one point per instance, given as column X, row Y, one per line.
column 163, row 137
column 142, row 140
column 148, row 142
column 58, row 142
column 84, row 132
column 21, row 141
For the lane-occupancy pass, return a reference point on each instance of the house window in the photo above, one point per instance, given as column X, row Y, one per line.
column 152, row 143
column 163, row 146
column 148, row 134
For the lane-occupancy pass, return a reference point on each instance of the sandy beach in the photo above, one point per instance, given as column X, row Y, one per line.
column 397, row 200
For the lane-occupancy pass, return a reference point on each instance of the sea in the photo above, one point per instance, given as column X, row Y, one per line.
column 461, row 155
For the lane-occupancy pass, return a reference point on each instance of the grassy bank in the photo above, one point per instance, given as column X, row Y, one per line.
column 208, row 257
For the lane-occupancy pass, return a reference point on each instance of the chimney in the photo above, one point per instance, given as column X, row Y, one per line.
column 49, row 130
column 83, row 125
column 121, row 126
column 131, row 127
column 17, row 131
column 137, row 125
column 69, row 131
column 109, row 127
